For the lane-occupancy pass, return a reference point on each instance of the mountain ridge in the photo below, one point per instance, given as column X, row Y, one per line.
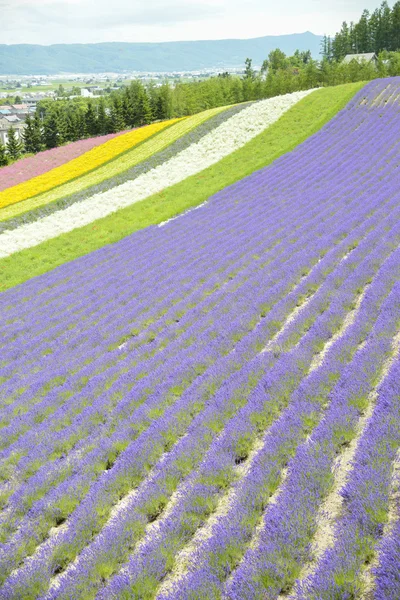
column 34, row 59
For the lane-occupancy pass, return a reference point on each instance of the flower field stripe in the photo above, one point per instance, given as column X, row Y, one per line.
column 138, row 577
column 304, row 119
column 225, row 139
column 82, row 164
column 192, row 137
column 42, row 162
column 115, row 166
column 386, row 580
column 258, row 574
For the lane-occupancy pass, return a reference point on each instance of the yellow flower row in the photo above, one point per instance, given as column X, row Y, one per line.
column 80, row 165
column 122, row 163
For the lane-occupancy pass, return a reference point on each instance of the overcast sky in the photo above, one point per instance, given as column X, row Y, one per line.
column 68, row 21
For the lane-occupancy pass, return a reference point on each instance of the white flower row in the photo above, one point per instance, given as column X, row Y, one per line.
column 225, row 139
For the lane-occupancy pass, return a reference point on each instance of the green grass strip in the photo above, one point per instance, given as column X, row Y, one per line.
column 300, row 122
column 123, row 161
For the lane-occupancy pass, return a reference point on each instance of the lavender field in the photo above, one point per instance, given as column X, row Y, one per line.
column 210, row 408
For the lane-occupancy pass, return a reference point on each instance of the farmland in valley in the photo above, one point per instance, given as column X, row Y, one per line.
column 199, row 357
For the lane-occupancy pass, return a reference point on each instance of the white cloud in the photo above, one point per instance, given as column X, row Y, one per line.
column 67, row 21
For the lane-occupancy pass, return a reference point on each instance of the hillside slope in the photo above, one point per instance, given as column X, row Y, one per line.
column 302, row 120
column 209, row 408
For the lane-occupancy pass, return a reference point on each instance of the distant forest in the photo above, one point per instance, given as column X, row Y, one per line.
column 377, row 32
column 58, row 122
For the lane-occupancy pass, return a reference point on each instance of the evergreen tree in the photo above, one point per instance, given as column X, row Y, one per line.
column 341, row 44
column 91, row 120
column 249, row 72
column 14, row 145
column 3, row 156
column 50, row 131
column 386, row 27
column 32, row 134
column 362, row 38
column 55, row 126
column 324, row 47
column 102, row 118
column 395, row 28
column 18, row 100
column 143, row 110
column 164, row 102
column 72, row 128
column 128, row 109
column 37, row 127
column 116, row 122
column 276, row 60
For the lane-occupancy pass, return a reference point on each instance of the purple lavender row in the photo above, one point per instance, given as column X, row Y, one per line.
column 143, row 566
column 36, row 566
column 35, row 457
column 112, row 535
column 366, row 499
column 288, row 526
column 33, row 415
column 367, row 244
column 146, row 503
column 218, row 556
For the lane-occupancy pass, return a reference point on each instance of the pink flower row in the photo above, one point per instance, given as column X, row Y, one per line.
column 40, row 163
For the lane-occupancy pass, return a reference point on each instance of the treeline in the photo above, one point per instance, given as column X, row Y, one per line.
column 375, row 32
column 58, row 122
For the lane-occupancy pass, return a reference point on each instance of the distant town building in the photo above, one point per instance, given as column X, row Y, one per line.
column 19, row 106
column 86, row 93
column 8, row 121
column 33, row 99
column 367, row 57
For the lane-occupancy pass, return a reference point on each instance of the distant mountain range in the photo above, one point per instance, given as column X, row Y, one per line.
column 29, row 59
